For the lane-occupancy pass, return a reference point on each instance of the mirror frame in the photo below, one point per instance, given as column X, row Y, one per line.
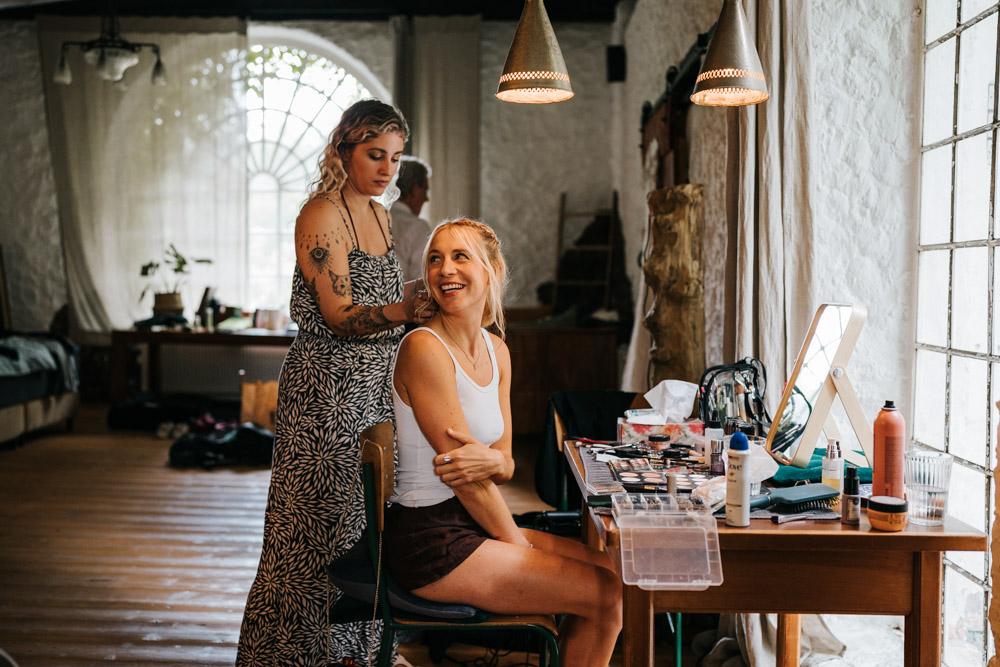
column 835, row 384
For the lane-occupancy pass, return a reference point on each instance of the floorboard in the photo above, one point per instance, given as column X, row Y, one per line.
column 107, row 554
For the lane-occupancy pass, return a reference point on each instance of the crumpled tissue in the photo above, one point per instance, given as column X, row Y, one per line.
column 672, row 400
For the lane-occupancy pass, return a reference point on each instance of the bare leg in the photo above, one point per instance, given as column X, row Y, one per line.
column 558, row 576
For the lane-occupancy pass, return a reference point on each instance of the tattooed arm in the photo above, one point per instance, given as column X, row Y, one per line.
column 322, row 244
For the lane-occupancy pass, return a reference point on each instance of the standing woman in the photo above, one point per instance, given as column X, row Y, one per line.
column 348, row 301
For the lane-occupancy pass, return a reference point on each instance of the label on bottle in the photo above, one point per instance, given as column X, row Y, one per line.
column 893, row 467
column 738, row 490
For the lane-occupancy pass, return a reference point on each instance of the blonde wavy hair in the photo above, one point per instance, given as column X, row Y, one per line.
column 485, row 248
column 361, row 121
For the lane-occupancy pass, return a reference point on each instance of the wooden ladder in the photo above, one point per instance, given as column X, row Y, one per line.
column 606, row 248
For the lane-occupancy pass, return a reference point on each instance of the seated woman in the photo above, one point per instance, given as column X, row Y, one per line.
column 449, row 535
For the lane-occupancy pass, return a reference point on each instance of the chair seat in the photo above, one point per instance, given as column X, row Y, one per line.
column 496, row 621
column 353, row 574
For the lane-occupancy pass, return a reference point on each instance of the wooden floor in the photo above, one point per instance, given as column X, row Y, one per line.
column 108, row 554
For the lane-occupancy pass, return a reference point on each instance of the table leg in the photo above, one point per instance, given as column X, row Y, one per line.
column 789, row 634
column 922, row 633
column 153, row 359
column 119, row 370
column 637, row 629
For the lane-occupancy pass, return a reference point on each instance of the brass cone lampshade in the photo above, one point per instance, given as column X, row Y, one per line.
column 535, row 72
column 731, row 75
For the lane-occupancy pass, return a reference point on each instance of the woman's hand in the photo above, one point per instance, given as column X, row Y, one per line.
column 417, row 302
column 472, row 462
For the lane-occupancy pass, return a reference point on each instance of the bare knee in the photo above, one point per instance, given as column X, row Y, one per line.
column 606, row 606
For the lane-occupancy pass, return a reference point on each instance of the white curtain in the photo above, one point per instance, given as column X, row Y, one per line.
column 769, row 187
column 139, row 166
column 769, row 259
column 445, row 111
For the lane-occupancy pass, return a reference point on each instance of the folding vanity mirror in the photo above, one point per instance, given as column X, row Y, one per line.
column 819, row 375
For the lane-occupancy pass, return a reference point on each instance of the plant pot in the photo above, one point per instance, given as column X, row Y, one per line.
column 168, row 303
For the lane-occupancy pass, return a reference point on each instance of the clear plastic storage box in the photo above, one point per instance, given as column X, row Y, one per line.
column 664, row 546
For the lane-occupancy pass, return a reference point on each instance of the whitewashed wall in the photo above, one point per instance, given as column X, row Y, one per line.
column 368, row 41
column 29, row 219
column 867, row 56
column 530, row 153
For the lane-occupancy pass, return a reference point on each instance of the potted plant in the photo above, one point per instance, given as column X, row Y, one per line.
column 166, row 293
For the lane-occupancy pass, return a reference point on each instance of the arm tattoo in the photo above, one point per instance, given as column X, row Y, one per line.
column 311, row 286
column 361, row 320
column 341, row 283
column 319, row 258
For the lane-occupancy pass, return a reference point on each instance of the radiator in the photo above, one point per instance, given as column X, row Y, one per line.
column 217, row 370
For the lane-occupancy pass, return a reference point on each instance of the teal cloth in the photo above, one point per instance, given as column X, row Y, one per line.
column 790, row 475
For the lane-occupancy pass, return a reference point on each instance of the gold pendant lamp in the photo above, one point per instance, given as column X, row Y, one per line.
column 731, row 75
column 535, row 72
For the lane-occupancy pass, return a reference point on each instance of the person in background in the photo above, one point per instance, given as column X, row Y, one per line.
column 409, row 230
column 449, row 535
column 350, row 304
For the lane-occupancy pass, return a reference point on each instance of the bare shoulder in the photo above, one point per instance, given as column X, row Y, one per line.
column 501, row 350
column 319, row 215
column 499, row 345
column 319, row 226
column 424, row 359
column 421, row 345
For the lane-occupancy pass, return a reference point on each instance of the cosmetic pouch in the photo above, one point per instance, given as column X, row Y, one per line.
column 734, row 390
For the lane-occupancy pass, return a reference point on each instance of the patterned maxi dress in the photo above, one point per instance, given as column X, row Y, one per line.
column 330, row 389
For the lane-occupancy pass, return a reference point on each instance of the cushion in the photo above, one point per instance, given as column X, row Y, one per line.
column 353, row 574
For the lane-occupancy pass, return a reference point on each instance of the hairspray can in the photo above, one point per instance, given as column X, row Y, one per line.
column 889, row 442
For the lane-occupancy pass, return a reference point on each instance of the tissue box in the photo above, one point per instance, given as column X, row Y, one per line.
column 687, row 433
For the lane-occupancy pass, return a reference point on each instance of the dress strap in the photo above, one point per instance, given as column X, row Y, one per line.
column 375, row 213
column 354, row 238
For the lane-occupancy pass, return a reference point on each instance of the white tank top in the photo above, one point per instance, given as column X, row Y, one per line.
column 416, row 483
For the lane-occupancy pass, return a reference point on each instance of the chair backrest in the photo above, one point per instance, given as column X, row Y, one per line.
column 377, row 443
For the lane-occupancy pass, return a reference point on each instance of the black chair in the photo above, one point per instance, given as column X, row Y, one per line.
column 582, row 414
column 371, row 592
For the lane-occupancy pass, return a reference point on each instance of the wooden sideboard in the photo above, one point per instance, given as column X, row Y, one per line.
column 545, row 360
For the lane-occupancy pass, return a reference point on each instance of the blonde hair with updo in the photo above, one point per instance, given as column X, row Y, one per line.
column 361, row 122
column 484, row 246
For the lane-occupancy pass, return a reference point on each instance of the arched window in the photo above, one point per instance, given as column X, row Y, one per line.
column 295, row 97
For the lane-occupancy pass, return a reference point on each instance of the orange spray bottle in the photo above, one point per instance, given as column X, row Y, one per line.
column 889, row 440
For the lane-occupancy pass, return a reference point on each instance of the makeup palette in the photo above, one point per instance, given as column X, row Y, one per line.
column 641, row 475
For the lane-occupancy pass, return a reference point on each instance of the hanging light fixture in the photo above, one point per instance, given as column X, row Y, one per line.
column 535, row 72
column 110, row 54
column 731, row 75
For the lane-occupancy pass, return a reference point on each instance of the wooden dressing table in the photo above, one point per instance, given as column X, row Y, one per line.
column 828, row 568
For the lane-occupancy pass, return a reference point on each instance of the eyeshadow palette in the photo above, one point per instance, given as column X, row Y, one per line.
column 641, row 474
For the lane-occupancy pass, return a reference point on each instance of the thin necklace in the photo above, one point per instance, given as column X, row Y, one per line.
column 474, row 362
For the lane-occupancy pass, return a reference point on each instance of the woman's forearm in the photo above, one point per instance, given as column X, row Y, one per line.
column 362, row 320
column 484, row 502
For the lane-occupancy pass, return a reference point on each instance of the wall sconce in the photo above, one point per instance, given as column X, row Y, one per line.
column 110, row 54
column 535, row 72
column 731, row 75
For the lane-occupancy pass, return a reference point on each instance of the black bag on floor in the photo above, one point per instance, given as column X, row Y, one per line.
column 247, row 445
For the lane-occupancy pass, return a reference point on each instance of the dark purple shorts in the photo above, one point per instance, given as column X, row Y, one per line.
column 422, row 544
